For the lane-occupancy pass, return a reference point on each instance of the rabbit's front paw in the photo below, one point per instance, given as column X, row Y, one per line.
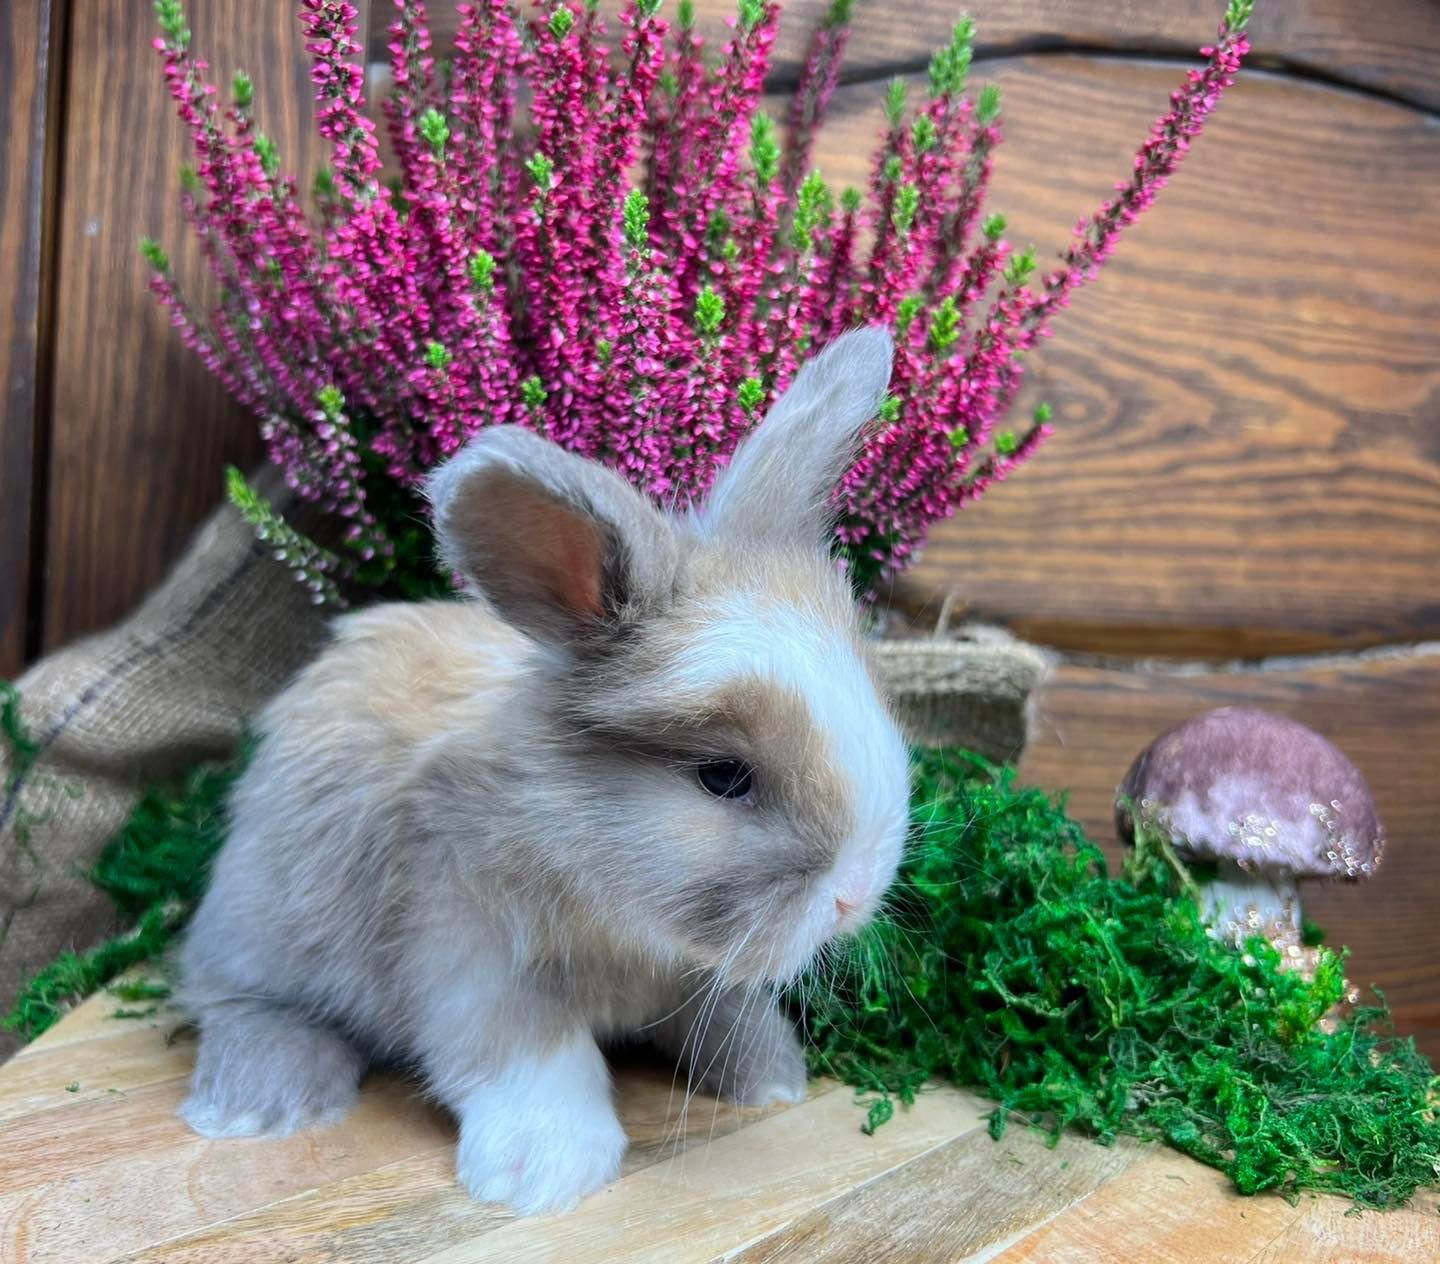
column 738, row 1047
column 265, row 1072
column 766, row 1069
column 538, row 1160
column 542, row 1134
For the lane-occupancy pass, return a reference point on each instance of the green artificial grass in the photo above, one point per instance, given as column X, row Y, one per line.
column 1010, row 962
column 1013, row 963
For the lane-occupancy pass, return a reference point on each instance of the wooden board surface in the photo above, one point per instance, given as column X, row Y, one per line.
column 1384, row 711
column 27, row 133
column 96, row 1168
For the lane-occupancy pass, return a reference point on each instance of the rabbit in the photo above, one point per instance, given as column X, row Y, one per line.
column 626, row 788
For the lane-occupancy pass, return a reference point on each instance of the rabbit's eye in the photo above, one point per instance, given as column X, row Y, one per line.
column 726, row 778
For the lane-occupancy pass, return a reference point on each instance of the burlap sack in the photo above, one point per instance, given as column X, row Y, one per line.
column 172, row 685
column 970, row 687
column 175, row 683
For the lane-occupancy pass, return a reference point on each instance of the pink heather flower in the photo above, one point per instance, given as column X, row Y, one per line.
column 516, row 275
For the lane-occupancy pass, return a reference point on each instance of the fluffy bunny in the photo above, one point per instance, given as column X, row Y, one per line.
column 636, row 785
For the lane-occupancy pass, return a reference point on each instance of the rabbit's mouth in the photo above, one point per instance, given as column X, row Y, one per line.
column 766, row 924
column 792, row 946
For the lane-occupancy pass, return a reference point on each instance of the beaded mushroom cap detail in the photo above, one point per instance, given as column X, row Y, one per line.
column 1259, row 790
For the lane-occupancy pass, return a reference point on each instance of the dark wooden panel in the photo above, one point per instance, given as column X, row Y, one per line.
column 140, row 432
column 1248, row 398
column 1383, row 712
column 1388, row 46
column 27, row 67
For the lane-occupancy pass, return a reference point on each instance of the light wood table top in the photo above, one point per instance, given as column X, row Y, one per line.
column 94, row 1166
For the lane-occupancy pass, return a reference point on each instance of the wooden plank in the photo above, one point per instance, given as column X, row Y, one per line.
column 84, row 1181
column 380, row 1183
column 736, row 1189
column 1168, row 1210
column 141, row 433
column 413, row 1208
column 91, row 1070
column 1383, row 711
column 1329, row 1231
column 965, row 1198
column 103, row 1175
column 28, row 79
column 1395, row 50
column 1248, row 400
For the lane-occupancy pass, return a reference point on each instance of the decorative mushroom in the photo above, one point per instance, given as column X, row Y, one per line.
column 1269, row 802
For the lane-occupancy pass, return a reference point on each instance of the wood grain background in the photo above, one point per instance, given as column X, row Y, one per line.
column 1248, row 398
column 29, row 94
column 139, row 433
column 1248, row 456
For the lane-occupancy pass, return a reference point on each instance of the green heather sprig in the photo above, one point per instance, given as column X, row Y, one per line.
column 635, row 264
column 316, row 567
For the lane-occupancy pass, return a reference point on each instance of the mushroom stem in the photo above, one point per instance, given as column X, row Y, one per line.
column 1238, row 903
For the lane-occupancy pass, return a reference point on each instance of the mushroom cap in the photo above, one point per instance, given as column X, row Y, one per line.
column 1258, row 789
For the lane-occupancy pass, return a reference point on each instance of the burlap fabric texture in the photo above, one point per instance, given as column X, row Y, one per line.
column 170, row 686
column 176, row 682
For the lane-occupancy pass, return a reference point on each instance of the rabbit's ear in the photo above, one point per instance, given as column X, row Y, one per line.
column 561, row 547
column 785, row 471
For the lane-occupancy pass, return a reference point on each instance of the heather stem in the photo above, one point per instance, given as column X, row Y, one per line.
column 812, row 95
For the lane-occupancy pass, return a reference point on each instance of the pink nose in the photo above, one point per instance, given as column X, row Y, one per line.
column 844, row 907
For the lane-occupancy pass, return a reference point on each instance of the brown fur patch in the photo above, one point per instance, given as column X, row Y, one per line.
column 630, row 696
column 752, row 719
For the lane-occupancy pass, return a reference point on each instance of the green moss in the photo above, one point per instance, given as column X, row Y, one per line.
column 155, row 870
column 139, row 990
column 1013, row 963
column 23, row 751
column 24, row 748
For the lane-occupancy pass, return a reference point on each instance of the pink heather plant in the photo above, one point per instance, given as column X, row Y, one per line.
column 634, row 264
